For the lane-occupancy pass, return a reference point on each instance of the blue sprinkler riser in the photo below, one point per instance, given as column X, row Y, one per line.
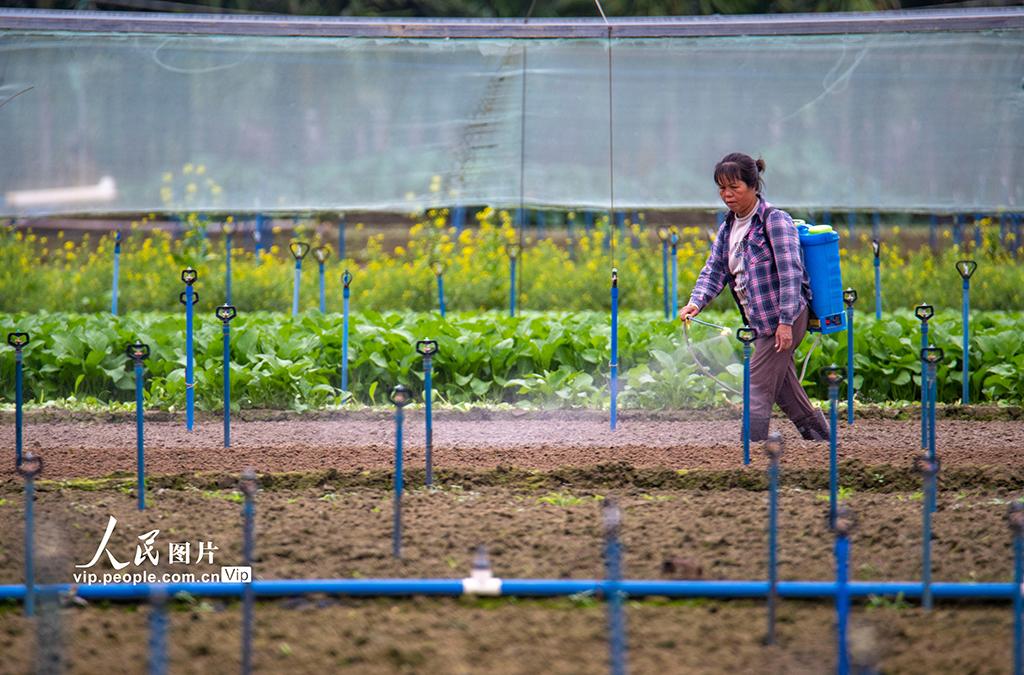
column 664, row 279
column 614, row 379
column 833, row 458
column 530, row 588
column 746, row 404
column 226, row 330
column 117, row 275
column 925, row 388
column 190, row 391
column 966, row 377
column 227, row 269
column 878, row 290
column 140, row 460
column 344, row 339
column 323, row 293
column 440, row 294
column 19, row 421
column 295, row 291
column 849, row 366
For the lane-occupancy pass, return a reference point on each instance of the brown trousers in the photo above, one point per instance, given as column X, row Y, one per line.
column 773, row 379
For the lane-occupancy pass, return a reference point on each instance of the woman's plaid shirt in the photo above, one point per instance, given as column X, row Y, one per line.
column 778, row 288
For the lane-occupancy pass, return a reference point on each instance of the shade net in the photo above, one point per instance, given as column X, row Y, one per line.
column 150, row 122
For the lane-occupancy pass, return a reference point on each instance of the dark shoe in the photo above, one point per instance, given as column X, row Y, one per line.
column 813, row 427
column 759, row 428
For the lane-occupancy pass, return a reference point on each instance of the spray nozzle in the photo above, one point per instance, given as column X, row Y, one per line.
column 833, row 375
column 30, row 467
column 346, row 278
column 615, row 277
column 746, row 334
column 226, row 313
column 932, row 355
column 138, row 351
column 322, row 253
column 426, row 347
column 849, row 297
column 966, row 268
column 876, row 247
column 924, row 312
column 299, row 249
column 248, row 484
column 773, row 446
column 189, row 276
column 183, row 297
column 17, row 340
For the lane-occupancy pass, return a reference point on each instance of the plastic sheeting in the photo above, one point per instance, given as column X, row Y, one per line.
column 930, row 121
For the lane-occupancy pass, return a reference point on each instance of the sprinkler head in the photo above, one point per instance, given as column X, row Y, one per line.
column 746, row 335
column 299, row 249
column 924, row 312
column 932, row 355
column 226, row 313
column 30, row 467
column 182, row 298
column 513, row 251
column 117, row 237
column 833, row 375
column 138, row 350
column 845, row 523
column 1015, row 516
column 322, row 253
column 773, row 446
column 438, row 268
column 966, row 268
column 663, row 233
column 426, row 347
column 925, row 466
column 849, row 297
column 673, row 235
column 615, row 277
column 17, row 340
column 612, row 517
column 876, row 247
column 346, row 278
column 189, row 276
column 248, row 484
column 400, row 396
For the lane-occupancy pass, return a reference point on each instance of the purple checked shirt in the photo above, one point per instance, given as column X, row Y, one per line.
column 777, row 285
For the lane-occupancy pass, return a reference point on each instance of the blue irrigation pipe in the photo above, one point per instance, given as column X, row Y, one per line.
column 1016, row 521
column 459, row 219
column 924, row 312
column 401, row 397
column 513, row 251
column 876, row 225
column 850, row 298
column 117, row 273
column 341, row 236
column 19, row 341
column 31, row 467
column 663, row 235
column 321, row 253
column 746, row 335
column 157, row 630
column 588, row 221
column 966, row 268
column 876, row 248
column 138, row 352
column 257, row 235
column 346, row 281
column 773, row 448
column 833, row 375
column 614, row 379
column 613, row 577
column 674, row 240
column 958, row 229
column 427, row 349
column 928, row 468
column 842, row 597
column 734, row 589
column 439, row 273
column 299, row 250
column 228, row 231
column 249, row 488
column 189, row 297
column 226, row 313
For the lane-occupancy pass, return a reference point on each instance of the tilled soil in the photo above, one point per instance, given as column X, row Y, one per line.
column 544, row 443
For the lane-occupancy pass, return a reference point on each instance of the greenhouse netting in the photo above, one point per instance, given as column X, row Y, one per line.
column 119, row 113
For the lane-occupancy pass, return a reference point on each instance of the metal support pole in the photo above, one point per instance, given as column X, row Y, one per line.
column 346, row 280
column 427, row 349
column 189, row 298
column 849, row 297
column 30, row 467
column 773, row 449
column 18, row 341
column 876, row 248
column 613, row 574
column 966, row 268
column 401, row 397
column 249, row 488
column 842, row 527
column 746, row 335
column 928, row 468
column 117, row 273
column 833, row 376
column 614, row 379
column 157, row 630
column 674, row 240
column 1015, row 518
column 321, row 253
column 341, row 236
column 663, row 235
column 924, row 312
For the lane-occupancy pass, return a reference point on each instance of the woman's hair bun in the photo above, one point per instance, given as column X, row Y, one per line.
column 760, row 165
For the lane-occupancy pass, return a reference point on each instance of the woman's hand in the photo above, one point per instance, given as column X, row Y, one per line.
column 783, row 337
column 686, row 313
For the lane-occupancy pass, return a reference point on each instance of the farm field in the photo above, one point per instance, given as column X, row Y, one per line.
column 528, row 486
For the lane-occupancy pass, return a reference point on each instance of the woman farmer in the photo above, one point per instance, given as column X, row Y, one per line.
column 757, row 253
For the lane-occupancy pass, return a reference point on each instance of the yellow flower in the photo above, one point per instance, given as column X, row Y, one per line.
column 191, row 188
column 168, row 176
column 201, row 169
column 69, row 245
column 187, row 169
